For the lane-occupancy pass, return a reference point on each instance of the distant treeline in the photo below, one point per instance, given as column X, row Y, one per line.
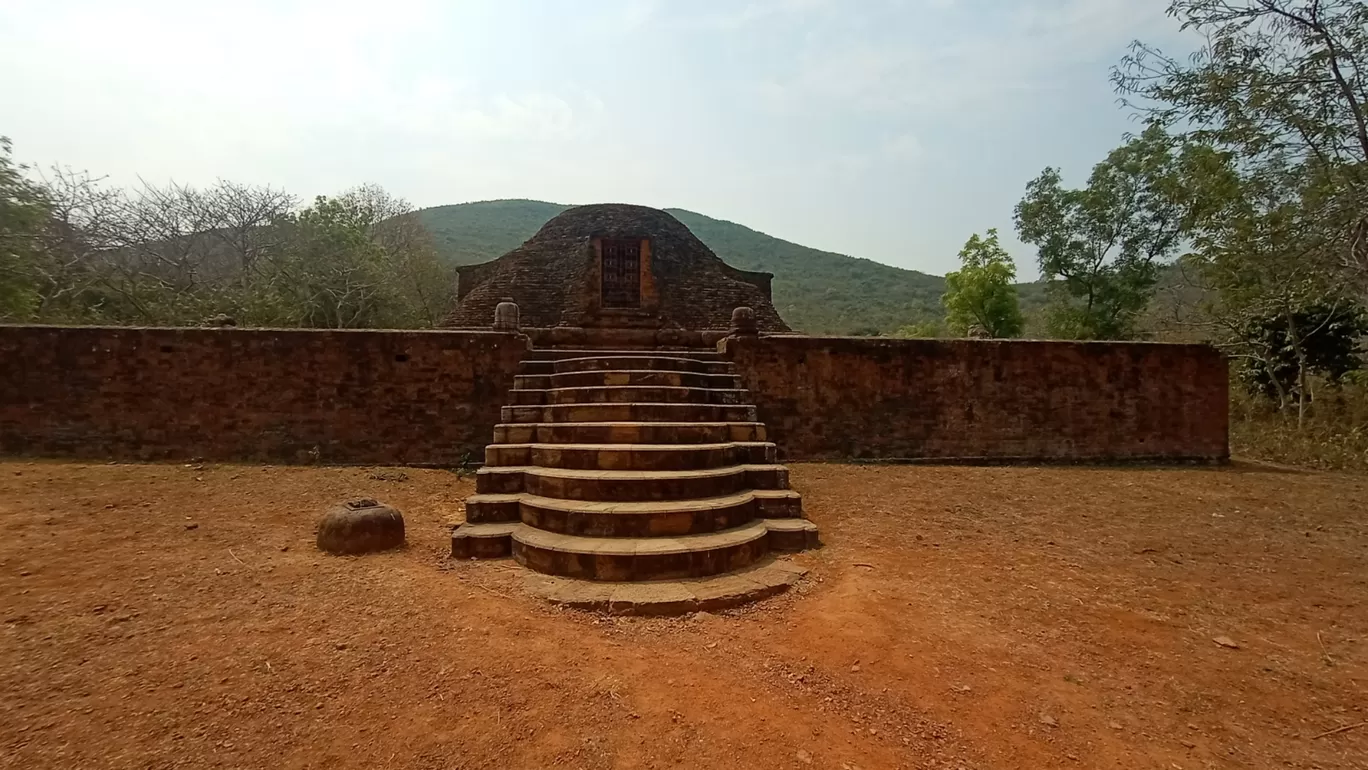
column 73, row 250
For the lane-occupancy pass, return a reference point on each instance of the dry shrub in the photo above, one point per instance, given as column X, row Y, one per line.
column 1332, row 436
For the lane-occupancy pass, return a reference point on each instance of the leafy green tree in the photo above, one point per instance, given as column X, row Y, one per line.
column 24, row 217
column 1101, row 247
column 1274, row 294
column 1322, row 339
column 1281, row 86
column 981, row 293
column 356, row 260
column 1278, row 92
column 330, row 273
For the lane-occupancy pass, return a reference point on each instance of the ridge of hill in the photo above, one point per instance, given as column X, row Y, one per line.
column 818, row 292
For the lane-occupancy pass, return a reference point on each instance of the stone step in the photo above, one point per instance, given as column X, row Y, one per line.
column 669, row 597
column 641, row 412
column 628, row 432
column 629, row 486
column 791, row 534
column 628, row 457
column 621, row 522
column 658, row 362
column 482, row 541
column 629, row 394
column 637, row 519
column 644, row 558
column 493, row 508
column 556, row 354
column 643, row 360
column 626, row 377
column 666, row 518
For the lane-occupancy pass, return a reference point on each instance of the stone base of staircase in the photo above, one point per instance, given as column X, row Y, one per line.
column 635, row 482
column 669, row 597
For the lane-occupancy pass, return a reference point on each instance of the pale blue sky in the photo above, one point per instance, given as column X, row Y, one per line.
column 887, row 129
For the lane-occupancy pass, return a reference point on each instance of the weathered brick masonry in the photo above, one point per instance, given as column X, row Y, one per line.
column 265, row 395
column 829, row 398
column 433, row 398
column 556, row 277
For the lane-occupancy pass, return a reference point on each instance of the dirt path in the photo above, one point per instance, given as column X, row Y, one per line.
column 178, row 616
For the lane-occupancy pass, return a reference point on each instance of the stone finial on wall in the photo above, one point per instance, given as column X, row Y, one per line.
column 743, row 322
column 506, row 317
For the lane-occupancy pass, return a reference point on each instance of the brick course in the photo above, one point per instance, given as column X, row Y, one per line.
column 433, row 398
column 835, row 398
column 392, row 397
column 554, row 277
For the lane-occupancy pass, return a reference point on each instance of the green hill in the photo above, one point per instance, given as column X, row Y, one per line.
column 817, row 292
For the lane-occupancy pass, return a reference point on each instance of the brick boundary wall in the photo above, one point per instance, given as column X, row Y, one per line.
column 345, row 397
column 826, row 398
column 433, row 397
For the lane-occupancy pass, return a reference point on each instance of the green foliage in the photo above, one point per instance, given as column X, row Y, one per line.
column 981, row 293
column 1275, row 100
column 922, row 330
column 1279, row 93
column 471, row 233
column 74, row 251
column 24, row 216
column 1320, row 340
column 819, row 292
column 332, row 275
column 1102, row 246
column 355, row 261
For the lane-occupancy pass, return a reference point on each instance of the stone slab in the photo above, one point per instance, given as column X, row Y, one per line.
column 669, row 597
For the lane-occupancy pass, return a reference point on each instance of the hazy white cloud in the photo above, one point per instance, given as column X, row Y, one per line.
column 960, row 58
column 904, row 147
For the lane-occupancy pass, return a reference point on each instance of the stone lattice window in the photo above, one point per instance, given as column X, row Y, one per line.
column 620, row 271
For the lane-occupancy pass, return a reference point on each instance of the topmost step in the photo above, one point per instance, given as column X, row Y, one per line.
column 556, row 354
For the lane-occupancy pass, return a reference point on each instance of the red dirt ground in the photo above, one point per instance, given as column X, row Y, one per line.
column 159, row 616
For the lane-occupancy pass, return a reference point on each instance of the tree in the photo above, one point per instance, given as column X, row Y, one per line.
column 85, row 228
column 981, row 293
column 330, row 273
column 424, row 287
column 1322, row 339
column 24, row 216
column 360, row 259
column 1278, row 93
column 1281, row 86
column 242, row 217
column 1274, row 294
column 1100, row 247
column 75, row 250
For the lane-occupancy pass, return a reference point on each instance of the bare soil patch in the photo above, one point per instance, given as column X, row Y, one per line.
column 159, row 616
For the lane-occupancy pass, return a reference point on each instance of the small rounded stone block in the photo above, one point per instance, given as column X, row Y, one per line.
column 506, row 317
column 360, row 526
column 743, row 321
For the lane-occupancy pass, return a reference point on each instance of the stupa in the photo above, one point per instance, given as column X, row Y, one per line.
column 630, row 472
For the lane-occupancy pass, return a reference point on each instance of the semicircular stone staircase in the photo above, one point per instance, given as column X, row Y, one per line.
column 635, row 482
